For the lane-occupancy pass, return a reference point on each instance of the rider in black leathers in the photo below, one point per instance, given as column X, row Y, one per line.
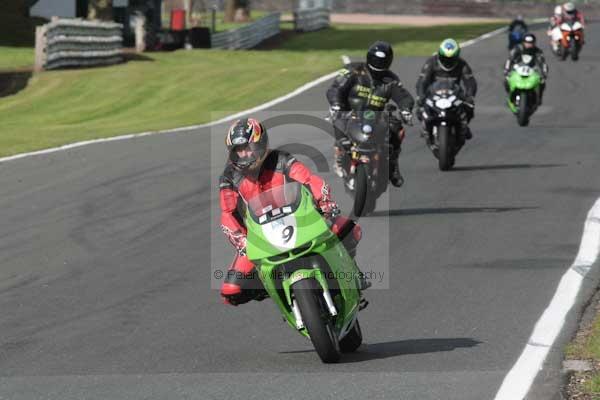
column 447, row 65
column 370, row 86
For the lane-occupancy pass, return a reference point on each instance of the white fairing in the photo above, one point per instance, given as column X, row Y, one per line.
column 565, row 27
column 523, row 70
column 577, row 26
column 443, row 104
column 282, row 232
column 556, row 34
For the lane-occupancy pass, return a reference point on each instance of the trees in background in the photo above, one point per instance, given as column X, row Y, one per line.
column 100, row 9
column 237, row 10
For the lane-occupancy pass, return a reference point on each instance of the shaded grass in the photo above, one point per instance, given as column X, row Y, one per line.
column 184, row 87
column 586, row 346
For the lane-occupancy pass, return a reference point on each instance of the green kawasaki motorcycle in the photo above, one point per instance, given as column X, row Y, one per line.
column 305, row 269
column 524, row 88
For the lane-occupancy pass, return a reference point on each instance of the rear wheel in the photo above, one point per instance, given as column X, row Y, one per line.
column 446, row 148
column 363, row 198
column 352, row 340
column 523, row 113
column 307, row 293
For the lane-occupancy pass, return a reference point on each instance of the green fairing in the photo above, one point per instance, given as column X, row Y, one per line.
column 519, row 82
column 313, row 238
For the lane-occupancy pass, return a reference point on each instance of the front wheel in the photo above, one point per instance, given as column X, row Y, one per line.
column 574, row 50
column 523, row 113
column 307, row 293
column 446, row 148
column 563, row 53
column 352, row 340
column 363, row 198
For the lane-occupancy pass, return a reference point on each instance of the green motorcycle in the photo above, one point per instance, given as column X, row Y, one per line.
column 524, row 89
column 305, row 269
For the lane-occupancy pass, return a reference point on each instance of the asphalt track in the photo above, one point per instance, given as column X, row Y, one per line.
column 106, row 260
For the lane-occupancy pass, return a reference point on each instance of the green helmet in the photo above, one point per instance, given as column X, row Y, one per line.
column 448, row 54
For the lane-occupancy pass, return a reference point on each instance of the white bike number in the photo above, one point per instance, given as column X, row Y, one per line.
column 282, row 233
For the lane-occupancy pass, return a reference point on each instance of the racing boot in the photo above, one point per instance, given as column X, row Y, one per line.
column 465, row 131
column 396, row 177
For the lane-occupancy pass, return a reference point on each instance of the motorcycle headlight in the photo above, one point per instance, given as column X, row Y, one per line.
column 367, row 129
column 443, row 104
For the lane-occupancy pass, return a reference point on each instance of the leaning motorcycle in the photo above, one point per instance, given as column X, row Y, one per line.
column 571, row 41
column 366, row 156
column 305, row 269
column 524, row 89
column 440, row 114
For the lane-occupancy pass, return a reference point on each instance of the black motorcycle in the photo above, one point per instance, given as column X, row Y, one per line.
column 440, row 114
column 366, row 156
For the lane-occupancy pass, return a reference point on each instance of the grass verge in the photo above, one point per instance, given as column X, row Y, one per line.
column 585, row 385
column 170, row 90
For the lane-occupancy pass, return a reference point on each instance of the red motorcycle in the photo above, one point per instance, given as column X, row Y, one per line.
column 572, row 40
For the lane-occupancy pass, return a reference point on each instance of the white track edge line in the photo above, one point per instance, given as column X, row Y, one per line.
column 521, row 376
column 260, row 107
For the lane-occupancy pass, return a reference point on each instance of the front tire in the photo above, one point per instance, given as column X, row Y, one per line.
column 362, row 194
column 575, row 51
column 307, row 293
column 523, row 114
column 446, row 148
column 352, row 340
column 564, row 53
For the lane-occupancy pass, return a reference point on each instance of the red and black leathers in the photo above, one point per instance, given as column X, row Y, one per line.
column 236, row 189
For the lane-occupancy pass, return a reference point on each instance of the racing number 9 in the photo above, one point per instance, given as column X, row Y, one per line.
column 287, row 233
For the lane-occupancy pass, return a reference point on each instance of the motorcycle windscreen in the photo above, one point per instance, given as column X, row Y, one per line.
column 367, row 126
column 444, row 88
column 281, row 219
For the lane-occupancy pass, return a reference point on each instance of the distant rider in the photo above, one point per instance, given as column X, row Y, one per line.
column 517, row 28
column 252, row 168
column 370, row 86
column 448, row 65
column 527, row 47
column 572, row 14
column 554, row 28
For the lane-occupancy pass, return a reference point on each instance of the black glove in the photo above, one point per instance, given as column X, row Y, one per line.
column 407, row 117
column 334, row 111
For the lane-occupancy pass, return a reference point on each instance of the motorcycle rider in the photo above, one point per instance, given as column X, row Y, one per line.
column 448, row 65
column 572, row 14
column 250, row 169
column 527, row 47
column 552, row 32
column 370, row 86
column 517, row 25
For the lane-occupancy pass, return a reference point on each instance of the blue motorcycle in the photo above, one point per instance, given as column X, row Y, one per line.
column 515, row 37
